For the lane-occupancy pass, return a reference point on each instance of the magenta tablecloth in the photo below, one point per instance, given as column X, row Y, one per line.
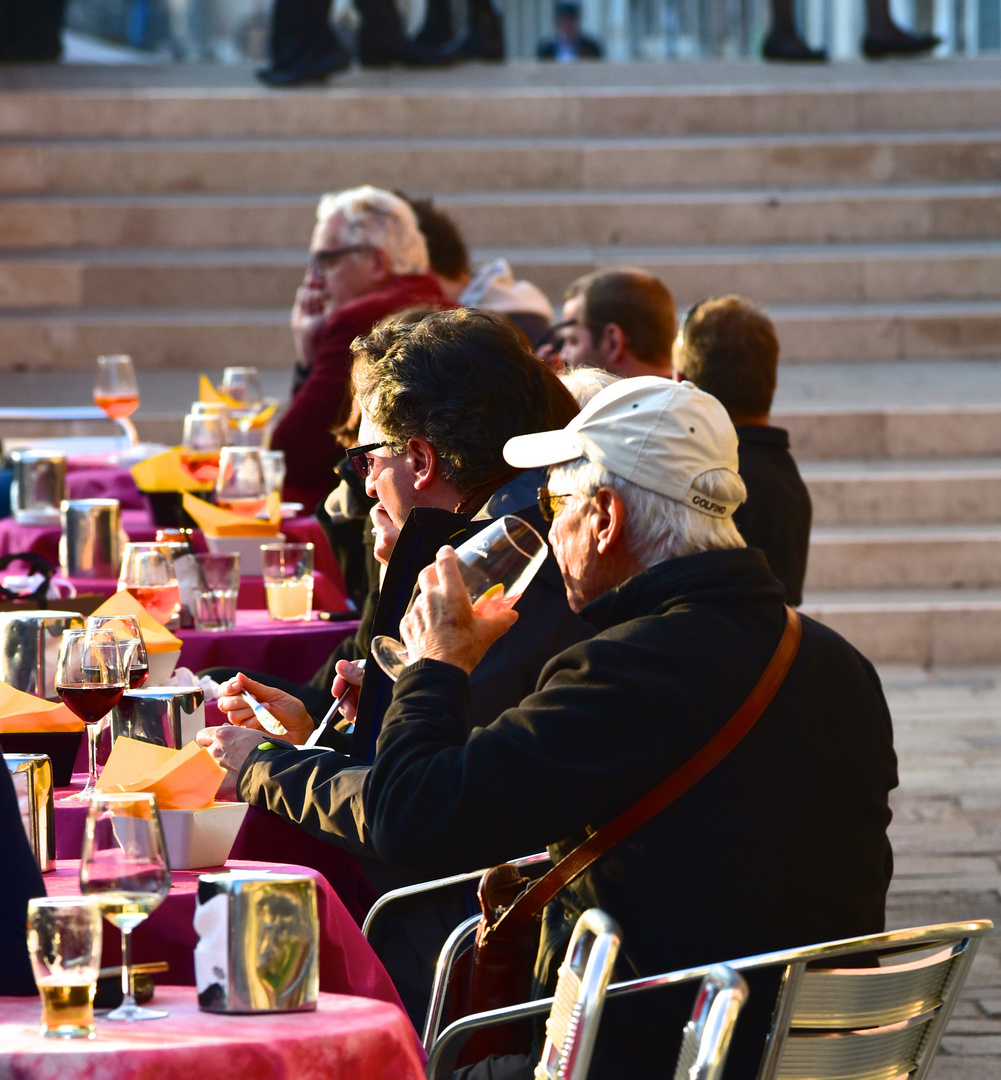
column 347, row 963
column 263, row 837
column 293, row 651
column 345, row 1037
column 87, row 479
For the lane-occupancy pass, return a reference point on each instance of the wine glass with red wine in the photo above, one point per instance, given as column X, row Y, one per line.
column 90, row 679
column 131, row 646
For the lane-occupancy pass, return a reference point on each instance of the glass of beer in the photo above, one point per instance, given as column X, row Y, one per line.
column 288, row 580
column 64, row 941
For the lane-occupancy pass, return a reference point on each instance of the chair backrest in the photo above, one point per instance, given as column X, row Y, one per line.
column 580, row 996
column 878, row 1022
column 706, row 1038
column 881, row 1022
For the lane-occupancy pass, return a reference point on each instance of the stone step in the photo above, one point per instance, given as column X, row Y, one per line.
column 515, row 110
column 268, row 278
column 119, row 166
column 939, row 556
column 57, row 338
column 883, row 492
column 532, row 221
column 927, row 627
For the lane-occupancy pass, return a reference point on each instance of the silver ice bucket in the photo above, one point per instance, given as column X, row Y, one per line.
column 258, row 942
column 91, row 544
column 166, row 715
column 29, row 648
column 37, row 487
column 32, row 776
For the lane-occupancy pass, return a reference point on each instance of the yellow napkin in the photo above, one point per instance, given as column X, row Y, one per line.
column 214, row 521
column 26, row 712
column 208, row 393
column 165, row 472
column 185, row 779
column 157, row 639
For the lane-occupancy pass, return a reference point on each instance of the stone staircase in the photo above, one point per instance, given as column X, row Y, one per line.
column 864, row 209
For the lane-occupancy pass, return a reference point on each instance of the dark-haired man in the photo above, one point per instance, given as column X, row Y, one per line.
column 728, row 347
column 620, row 320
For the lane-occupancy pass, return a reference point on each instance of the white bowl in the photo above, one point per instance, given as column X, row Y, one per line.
column 161, row 666
column 199, row 838
column 247, row 547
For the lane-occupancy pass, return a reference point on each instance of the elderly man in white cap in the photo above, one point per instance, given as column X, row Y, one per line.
column 765, row 736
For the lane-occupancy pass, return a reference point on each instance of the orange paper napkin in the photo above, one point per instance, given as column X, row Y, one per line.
column 208, row 393
column 21, row 712
column 185, row 779
column 214, row 521
column 166, row 472
column 157, row 638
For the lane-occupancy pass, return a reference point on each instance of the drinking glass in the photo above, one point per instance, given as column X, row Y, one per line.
column 243, row 385
column 201, row 444
column 124, row 868
column 64, row 942
column 273, row 464
column 496, row 566
column 215, row 591
column 117, row 392
column 288, row 580
column 148, row 574
column 131, row 647
column 90, row 680
column 240, row 484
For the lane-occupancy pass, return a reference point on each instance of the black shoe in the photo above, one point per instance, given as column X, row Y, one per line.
column 899, row 43
column 381, row 40
column 791, row 48
column 311, row 70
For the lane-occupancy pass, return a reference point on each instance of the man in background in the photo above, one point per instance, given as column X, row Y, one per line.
column 728, row 347
column 367, row 260
column 619, row 320
column 568, row 43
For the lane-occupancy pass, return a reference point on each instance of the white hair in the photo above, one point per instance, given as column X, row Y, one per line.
column 658, row 527
column 585, row 382
column 382, row 219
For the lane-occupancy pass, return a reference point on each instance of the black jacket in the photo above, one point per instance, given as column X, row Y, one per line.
column 777, row 514
column 783, row 844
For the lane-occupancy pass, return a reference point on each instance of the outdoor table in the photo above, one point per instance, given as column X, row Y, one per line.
column 344, row 1037
column 347, row 963
column 292, row 650
column 263, row 836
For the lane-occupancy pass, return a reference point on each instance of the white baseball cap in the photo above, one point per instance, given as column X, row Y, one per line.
column 658, row 434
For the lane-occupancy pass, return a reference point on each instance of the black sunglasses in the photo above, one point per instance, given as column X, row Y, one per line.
column 358, row 456
column 549, row 504
column 327, row 260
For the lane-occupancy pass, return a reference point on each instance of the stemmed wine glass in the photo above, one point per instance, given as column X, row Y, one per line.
column 201, row 444
column 124, row 867
column 116, row 391
column 240, row 484
column 242, row 384
column 148, row 574
column 496, row 566
column 90, row 680
column 131, row 647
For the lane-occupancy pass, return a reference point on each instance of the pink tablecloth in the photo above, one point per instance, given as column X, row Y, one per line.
column 294, row 650
column 345, row 1037
column 263, row 837
column 347, row 963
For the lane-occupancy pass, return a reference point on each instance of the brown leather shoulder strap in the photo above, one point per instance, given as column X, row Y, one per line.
column 534, row 899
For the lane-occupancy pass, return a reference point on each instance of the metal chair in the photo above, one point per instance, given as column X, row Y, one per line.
column 706, row 1038
column 455, row 943
column 880, row 1022
column 574, row 1010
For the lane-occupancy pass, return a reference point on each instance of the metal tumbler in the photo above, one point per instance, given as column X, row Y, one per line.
column 32, row 776
column 91, row 544
column 38, row 486
column 29, row 648
column 166, row 715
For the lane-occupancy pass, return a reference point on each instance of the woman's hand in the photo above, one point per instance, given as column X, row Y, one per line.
column 286, row 709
